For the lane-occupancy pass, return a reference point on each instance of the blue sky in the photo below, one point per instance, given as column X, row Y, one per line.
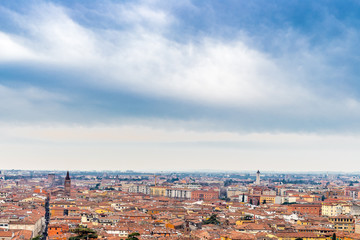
column 210, row 69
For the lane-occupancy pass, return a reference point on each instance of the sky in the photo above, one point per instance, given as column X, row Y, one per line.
column 171, row 85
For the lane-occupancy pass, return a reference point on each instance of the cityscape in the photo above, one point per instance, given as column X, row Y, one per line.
column 138, row 205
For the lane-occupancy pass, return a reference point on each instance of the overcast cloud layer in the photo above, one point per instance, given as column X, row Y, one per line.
column 200, row 66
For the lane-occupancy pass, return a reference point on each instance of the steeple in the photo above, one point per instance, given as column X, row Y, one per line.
column 67, row 176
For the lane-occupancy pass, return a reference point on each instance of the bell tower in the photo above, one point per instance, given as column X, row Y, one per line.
column 257, row 178
column 67, row 184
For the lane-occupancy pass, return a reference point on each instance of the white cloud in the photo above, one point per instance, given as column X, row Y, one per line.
column 143, row 59
column 29, row 103
column 146, row 61
column 12, row 49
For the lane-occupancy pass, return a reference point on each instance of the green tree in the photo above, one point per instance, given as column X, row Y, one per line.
column 226, row 199
column 212, row 220
column 83, row 233
column 299, row 239
column 133, row 236
column 36, row 238
column 333, row 237
column 246, row 217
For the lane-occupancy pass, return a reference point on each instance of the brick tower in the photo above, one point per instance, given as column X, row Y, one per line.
column 67, row 184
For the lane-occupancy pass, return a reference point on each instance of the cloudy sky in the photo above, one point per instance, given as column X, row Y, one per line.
column 180, row 85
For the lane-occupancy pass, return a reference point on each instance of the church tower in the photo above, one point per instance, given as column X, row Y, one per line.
column 257, row 178
column 67, row 184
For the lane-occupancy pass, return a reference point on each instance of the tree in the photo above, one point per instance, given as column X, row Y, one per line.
column 133, row 236
column 264, row 201
column 226, row 199
column 322, row 198
column 172, row 180
column 247, row 217
column 333, row 237
column 299, row 239
column 228, row 182
column 36, row 238
column 83, row 233
column 212, row 220
column 243, row 197
column 251, row 201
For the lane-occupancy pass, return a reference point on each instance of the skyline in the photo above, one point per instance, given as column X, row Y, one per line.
column 188, row 85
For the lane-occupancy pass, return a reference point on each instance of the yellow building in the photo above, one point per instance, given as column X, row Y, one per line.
column 102, row 210
column 346, row 209
column 306, row 197
column 331, row 209
column 335, row 209
column 267, row 199
column 303, row 222
column 158, row 191
column 343, row 223
column 245, row 219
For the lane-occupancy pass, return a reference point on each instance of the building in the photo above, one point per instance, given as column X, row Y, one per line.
column 178, row 193
column 235, row 191
column 34, row 224
column 67, row 184
column 135, row 188
column 254, row 199
column 343, row 223
column 355, row 210
column 264, row 199
column 257, row 178
column 306, row 209
column 158, row 191
column 335, row 209
column 51, row 179
column 204, row 195
column 284, row 199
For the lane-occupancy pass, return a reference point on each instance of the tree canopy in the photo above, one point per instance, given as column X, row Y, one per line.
column 133, row 236
column 212, row 220
column 83, row 233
